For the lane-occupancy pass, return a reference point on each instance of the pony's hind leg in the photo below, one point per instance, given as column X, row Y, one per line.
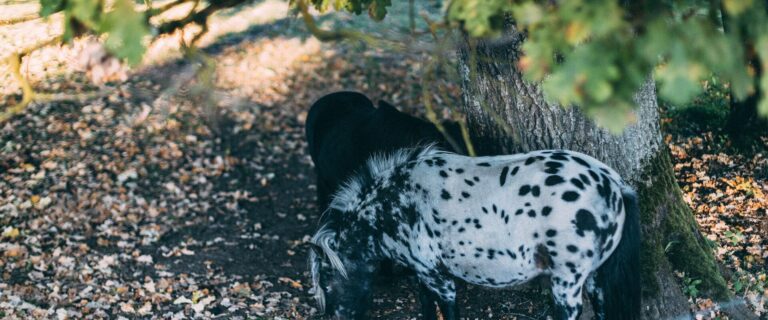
column 435, row 287
column 566, row 289
column 596, row 297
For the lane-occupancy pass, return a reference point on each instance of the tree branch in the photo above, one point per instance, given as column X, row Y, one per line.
column 199, row 18
column 335, row 35
column 16, row 20
column 151, row 12
column 432, row 115
column 14, row 62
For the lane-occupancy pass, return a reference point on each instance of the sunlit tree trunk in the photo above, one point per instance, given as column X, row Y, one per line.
column 508, row 115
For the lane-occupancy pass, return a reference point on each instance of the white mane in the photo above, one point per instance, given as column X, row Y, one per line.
column 379, row 165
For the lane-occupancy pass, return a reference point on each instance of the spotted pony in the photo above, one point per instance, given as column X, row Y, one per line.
column 491, row 221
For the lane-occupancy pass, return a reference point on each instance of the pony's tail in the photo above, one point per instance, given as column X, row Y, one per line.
column 617, row 281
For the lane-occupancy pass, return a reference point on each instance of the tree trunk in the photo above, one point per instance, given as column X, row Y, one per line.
column 494, row 91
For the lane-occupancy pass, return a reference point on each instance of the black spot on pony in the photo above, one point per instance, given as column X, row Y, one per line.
column 580, row 241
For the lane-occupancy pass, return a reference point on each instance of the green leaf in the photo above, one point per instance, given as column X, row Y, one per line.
column 528, row 14
column 736, row 7
column 680, row 77
column 480, row 17
column 126, row 30
column 87, row 12
column 762, row 51
column 49, row 7
column 378, row 9
column 613, row 116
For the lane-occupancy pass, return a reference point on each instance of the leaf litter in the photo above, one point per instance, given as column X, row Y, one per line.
column 177, row 196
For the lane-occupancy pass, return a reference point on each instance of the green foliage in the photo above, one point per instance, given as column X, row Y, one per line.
column 707, row 112
column 377, row 9
column 49, row 7
column 691, row 286
column 596, row 54
column 734, row 238
column 480, row 17
column 125, row 27
column 593, row 54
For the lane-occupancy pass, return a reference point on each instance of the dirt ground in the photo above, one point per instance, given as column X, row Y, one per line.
column 186, row 190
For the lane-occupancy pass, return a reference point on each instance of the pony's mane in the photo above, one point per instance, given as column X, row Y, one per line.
column 379, row 165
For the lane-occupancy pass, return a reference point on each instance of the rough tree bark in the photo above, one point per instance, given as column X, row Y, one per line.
column 493, row 90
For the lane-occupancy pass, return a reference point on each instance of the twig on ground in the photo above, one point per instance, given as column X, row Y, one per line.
column 14, row 63
column 16, row 20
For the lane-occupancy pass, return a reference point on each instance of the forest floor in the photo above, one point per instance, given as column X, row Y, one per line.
column 185, row 190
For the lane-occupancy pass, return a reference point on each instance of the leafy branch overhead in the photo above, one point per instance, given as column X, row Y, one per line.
column 594, row 54
column 127, row 27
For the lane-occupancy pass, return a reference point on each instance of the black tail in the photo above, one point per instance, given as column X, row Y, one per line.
column 616, row 295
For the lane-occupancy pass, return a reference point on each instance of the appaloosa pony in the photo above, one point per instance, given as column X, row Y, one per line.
column 491, row 221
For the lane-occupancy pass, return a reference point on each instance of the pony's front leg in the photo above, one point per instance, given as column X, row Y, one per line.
column 427, row 300
column 433, row 288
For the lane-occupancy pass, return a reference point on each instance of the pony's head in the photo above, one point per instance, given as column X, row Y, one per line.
column 347, row 237
column 342, row 286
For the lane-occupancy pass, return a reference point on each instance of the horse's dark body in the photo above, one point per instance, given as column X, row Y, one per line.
column 344, row 129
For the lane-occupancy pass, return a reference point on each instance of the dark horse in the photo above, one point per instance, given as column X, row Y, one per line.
column 491, row 221
column 344, row 129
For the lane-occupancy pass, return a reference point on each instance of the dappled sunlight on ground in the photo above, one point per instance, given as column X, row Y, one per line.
column 261, row 70
column 61, row 61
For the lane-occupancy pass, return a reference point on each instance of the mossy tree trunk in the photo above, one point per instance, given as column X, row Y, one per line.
column 494, row 91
